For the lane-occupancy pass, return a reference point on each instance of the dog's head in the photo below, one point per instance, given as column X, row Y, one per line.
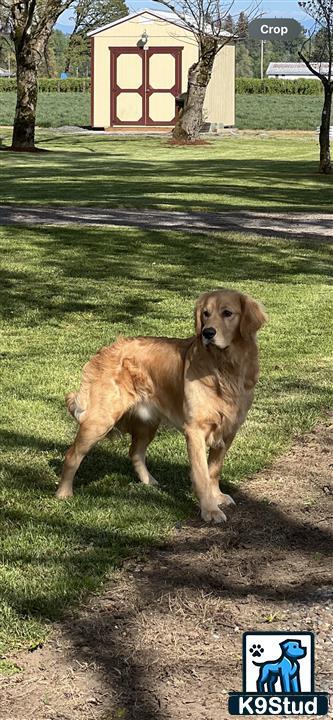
column 223, row 315
column 293, row 649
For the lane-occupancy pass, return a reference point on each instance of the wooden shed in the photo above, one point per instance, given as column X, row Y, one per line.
column 139, row 65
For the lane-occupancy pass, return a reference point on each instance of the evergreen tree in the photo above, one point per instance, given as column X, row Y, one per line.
column 244, row 62
column 229, row 24
column 248, row 50
column 242, row 26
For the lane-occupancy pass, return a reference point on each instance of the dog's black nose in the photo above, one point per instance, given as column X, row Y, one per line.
column 209, row 333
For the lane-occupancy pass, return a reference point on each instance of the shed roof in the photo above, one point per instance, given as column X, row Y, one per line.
column 295, row 68
column 157, row 14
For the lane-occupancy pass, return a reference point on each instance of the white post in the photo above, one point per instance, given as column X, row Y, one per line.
column 262, row 59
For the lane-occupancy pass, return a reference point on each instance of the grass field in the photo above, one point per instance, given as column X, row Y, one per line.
column 228, row 174
column 252, row 111
column 53, row 109
column 278, row 112
column 64, row 293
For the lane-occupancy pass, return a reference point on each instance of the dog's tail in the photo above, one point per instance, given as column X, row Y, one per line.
column 78, row 402
column 74, row 406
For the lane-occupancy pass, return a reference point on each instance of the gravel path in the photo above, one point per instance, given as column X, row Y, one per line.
column 303, row 225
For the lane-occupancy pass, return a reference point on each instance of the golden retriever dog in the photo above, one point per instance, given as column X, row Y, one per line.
column 202, row 385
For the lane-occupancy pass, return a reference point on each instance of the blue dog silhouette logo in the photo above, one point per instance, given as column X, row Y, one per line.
column 276, row 662
column 286, row 668
column 278, row 676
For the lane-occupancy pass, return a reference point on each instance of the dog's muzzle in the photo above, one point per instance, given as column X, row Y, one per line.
column 208, row 334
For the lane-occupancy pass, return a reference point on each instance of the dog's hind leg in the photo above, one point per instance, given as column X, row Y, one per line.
column 88, row 435
column 260, row 685
column 264, row 678
column 271, row 685
column 142, row 435
column 99, row 420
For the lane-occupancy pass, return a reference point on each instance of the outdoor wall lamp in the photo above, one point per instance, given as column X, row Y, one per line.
column 143, row 42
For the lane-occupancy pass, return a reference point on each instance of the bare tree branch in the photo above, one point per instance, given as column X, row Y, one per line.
column 321, row 77
column 321, row 12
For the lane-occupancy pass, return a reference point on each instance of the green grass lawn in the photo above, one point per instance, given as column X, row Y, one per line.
column 53, row 109
column 64, row 293
column 300, row 112
column 228, row 174
column 278, row 112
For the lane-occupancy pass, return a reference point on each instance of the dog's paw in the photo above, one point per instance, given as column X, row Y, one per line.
column 256, row 650
column 152, row 481
column 216, row 516
column 149, row 480
column 223, row 499
column 63, row 493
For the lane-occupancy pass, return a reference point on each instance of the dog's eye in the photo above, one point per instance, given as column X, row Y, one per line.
column 226, row 313
column 206, row 313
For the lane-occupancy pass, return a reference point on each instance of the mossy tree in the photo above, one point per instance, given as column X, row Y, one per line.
column 29, row 24
column 207, row 20
column 314, row 56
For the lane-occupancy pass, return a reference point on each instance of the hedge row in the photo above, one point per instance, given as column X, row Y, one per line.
column 51, row 85
column 275, row 86
column 244, row 86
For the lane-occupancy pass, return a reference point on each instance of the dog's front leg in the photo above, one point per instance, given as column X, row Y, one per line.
column 295, row 685
column 196, row 447
column 285, row 682
column 215, row 462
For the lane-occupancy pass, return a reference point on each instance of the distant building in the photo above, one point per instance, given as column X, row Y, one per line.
column 294, row 70
column 139, row 68
column 5, row 73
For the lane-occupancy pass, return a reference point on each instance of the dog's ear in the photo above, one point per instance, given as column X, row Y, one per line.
column 197, row 313
column 284, row 644
column 253, row 316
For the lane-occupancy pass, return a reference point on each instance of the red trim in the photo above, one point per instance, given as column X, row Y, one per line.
column 145, row 90
column 92, row 84
column 115, row 90
column 176, row 52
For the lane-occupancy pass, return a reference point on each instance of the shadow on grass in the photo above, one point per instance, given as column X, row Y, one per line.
column 149, row 262
column 68, row 270
column 240, row 551
column 185, row 184
column 256, row 529
column 99, row 546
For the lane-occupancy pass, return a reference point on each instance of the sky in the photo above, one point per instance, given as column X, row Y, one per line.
column 269, row 8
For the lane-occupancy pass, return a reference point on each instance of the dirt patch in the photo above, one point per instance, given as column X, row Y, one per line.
column 164, row 638
column 187, row 143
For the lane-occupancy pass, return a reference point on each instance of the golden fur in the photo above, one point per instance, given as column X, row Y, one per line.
column 203, row 385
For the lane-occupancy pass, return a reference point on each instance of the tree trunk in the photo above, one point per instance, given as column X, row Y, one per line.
column 190, row 119
column 26, row 102
column 325, row 165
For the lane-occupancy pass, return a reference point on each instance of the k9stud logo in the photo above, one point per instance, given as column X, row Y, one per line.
column 278, row 676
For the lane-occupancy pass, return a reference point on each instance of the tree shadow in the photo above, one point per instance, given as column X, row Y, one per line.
column 257, row 533
column 155, row 261
column 185, row 184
